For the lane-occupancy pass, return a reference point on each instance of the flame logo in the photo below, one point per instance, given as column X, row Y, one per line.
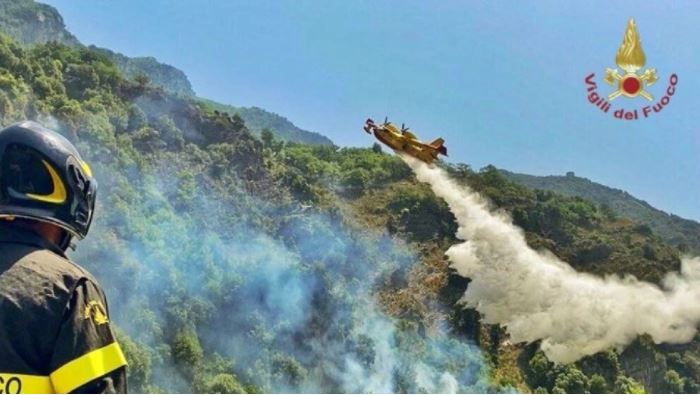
column 630, row 56
column 95, row 311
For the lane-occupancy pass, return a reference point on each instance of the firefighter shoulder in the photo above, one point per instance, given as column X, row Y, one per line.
column 55, row 333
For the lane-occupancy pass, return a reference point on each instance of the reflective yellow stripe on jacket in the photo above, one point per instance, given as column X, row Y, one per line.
column 11, row 383
column 90, row 366
column 68, row 377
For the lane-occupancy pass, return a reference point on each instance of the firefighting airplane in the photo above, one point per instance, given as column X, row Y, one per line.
column 402, row 140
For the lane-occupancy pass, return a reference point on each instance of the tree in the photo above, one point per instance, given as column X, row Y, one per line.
column 224, row 383
column 139, row 359
column 142, row 81
column 539, row 370
column 267, row 137
column 571, row 380
column 186, row 187
column 186, row 349
column 628, row 385
column 673, row 382
column 137, row 118
column 598, row 385
column 356, row 180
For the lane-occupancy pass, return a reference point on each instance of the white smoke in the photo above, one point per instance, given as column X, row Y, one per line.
column 49, row 121
column 535, row 295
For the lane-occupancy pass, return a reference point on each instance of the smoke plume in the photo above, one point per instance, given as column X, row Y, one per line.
column 536, row 296
column 291, row 302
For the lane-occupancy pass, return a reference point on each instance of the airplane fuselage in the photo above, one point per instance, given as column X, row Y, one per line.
column 403, row 143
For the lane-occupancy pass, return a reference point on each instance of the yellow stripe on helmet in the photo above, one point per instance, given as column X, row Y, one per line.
column 58, row 195
column 86, row 168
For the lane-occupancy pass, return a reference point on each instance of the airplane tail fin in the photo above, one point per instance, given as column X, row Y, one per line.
column 437, row 144
column 369, row 125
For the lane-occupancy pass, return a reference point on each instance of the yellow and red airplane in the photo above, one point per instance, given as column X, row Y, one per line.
column 402, row 140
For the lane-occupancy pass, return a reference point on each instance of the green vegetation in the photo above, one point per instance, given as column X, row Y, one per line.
column 29, row 23
column 238, row 264
column 258, row 120
column 227, row 263
column 35, row 23
column 676, row 231
column 159, row 74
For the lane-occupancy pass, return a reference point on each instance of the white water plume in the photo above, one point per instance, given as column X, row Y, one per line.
column 537, row 296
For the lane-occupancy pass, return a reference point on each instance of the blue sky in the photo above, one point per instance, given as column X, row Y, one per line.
column 501, row 82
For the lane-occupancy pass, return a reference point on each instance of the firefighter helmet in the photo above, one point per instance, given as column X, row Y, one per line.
column 44, row 178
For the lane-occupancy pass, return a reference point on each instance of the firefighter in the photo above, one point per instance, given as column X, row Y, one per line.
column 55, row 333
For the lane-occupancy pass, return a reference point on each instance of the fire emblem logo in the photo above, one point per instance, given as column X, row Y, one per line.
column 630, row 58
column 631, row 82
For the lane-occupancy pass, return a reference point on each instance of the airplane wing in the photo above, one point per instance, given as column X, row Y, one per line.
column 410, row 135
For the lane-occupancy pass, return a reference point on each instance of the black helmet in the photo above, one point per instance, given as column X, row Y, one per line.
column 43, row 178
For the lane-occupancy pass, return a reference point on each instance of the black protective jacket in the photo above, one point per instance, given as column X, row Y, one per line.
column 55, row 335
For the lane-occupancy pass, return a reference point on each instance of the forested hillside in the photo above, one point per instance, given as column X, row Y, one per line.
column 213, row 265
column 257, row 120
column 243, row 264
column 677, row 231
column 159, row 74
column 35, row 23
